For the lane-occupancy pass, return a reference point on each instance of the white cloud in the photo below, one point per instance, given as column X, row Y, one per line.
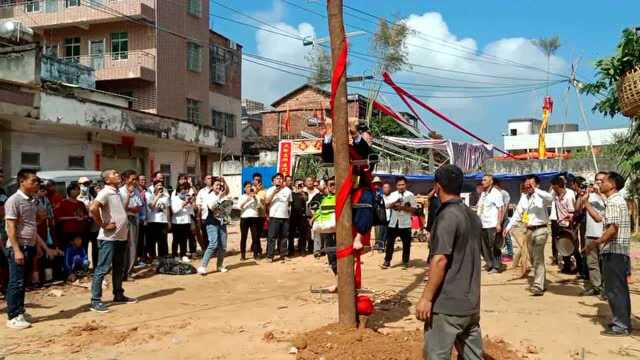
column 265, row 84
column 434, row 45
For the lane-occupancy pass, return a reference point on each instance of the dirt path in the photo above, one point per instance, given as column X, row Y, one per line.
column 228, row 316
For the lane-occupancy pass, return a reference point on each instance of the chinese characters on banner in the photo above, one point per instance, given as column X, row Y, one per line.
column 285, row 157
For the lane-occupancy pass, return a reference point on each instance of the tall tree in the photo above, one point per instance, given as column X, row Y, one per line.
column 548, row 46
column 319, row 61
column 389, row 43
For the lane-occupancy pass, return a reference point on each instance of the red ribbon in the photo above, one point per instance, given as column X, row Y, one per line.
column 402, row 92
column 348, row 251
column 343, row 193
column 388, row 111
column 415, row 113
column 338, row 72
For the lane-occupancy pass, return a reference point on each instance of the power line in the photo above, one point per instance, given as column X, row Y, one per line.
column 475, row 57
column 457, row 47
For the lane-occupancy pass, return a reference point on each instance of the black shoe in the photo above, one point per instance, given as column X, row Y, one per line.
column 615, row 333
column 405, row 266
column 590, row 292
column 124, row 300
column 385, row 265
column 99, row 307
column 243, row 258
column 603, row 297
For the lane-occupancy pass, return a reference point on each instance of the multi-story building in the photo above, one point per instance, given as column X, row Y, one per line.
column 161, row 55
column 522, row 137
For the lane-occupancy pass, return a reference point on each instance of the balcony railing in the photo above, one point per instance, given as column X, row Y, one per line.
column 48, row 13
column 118, row 60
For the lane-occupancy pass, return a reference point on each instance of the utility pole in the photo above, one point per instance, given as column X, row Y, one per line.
column 344, row 237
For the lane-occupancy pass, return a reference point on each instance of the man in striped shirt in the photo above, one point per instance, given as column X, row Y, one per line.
column 614, row 247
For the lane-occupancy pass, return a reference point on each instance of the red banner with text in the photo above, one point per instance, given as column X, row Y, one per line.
column 285, row 157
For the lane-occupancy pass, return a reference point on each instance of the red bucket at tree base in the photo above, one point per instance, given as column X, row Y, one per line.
column 364, row 305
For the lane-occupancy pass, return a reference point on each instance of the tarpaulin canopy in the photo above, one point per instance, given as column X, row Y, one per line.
column 469, row 157
column 422, row 184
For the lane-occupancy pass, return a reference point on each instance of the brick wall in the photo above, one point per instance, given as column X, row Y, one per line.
column 302, row 106
column 175, row 82
column 232, row 86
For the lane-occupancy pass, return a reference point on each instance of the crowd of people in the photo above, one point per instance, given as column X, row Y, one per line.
column 127, row 219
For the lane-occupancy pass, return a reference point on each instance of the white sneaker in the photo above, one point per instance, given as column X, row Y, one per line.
column 186, row 260
column 18, row 323
column 202, row 270
column 222, row 269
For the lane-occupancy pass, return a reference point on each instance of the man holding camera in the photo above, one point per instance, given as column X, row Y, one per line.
column 402, row 203
column 593, row 202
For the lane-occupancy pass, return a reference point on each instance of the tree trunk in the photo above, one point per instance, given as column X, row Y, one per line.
column 346, row 284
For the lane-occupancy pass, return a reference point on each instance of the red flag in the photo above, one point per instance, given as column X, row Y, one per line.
column 287, row 121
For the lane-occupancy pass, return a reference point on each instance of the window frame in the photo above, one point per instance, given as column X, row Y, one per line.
column 194, row 57
column 218, row 64
column 120, row 54
column 34, row 9
column 194, row 110
column 71, row 3
column 30, row 165
column 71, row 166
column 194, row 8
column 72, row 45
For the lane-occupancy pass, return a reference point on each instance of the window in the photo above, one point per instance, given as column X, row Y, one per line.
column 193, row 110
column 76, row 162
column 120, row 45
column 513, row 132
column 224, row 122
column 30, row 160
column 218, row 63
column 72, row 49
column 71, row 3
column 193, row 57
column 230, row 125
column 194, row 7
column 32, row 6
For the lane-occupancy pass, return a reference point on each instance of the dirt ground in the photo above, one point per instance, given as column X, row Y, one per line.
column 256, row 310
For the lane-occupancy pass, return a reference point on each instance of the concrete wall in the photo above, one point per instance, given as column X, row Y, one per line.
column 581, row 167
column 20, row 64
column 230, row 105
column 572, row 139
column 54, row 150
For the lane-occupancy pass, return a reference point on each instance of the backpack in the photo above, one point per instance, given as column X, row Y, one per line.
column 169, row 266
column 379, row 210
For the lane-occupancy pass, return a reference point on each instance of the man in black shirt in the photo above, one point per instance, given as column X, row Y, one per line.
column 298, row 223
column 450, row 303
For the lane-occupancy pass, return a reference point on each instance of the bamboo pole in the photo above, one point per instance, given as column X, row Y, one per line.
column 346, row 283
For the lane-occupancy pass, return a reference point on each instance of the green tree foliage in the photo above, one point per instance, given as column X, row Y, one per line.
column 389, row 45
column 319, row 61
column 387, row 126
column 610, row 71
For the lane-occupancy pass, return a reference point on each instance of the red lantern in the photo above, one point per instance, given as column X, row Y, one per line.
column 364, row 305
column 548, row 104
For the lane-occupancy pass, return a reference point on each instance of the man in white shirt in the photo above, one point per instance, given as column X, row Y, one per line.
column 278, row 198
column 133, row 204
column 594, row 204
column 491, row 213
column 110, row 215
column 402, row 205
column 565, row 205
column 531, row 211
column 506, row 200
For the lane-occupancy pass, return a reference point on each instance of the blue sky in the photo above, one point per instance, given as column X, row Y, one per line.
column 453, row 35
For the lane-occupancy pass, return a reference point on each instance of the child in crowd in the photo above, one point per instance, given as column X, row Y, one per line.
column 76, row 261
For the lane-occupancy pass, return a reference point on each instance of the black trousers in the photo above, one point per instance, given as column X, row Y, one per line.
column 405, row 236
column 180, row 238
column 142, row 235
column 157, row 236
column 555, row 231
column 299, row 226
column 278, row 233
column 615, row 268
column 330, row 249
column 250, row 225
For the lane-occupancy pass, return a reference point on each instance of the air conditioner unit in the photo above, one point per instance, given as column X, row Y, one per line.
column 16, row 32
